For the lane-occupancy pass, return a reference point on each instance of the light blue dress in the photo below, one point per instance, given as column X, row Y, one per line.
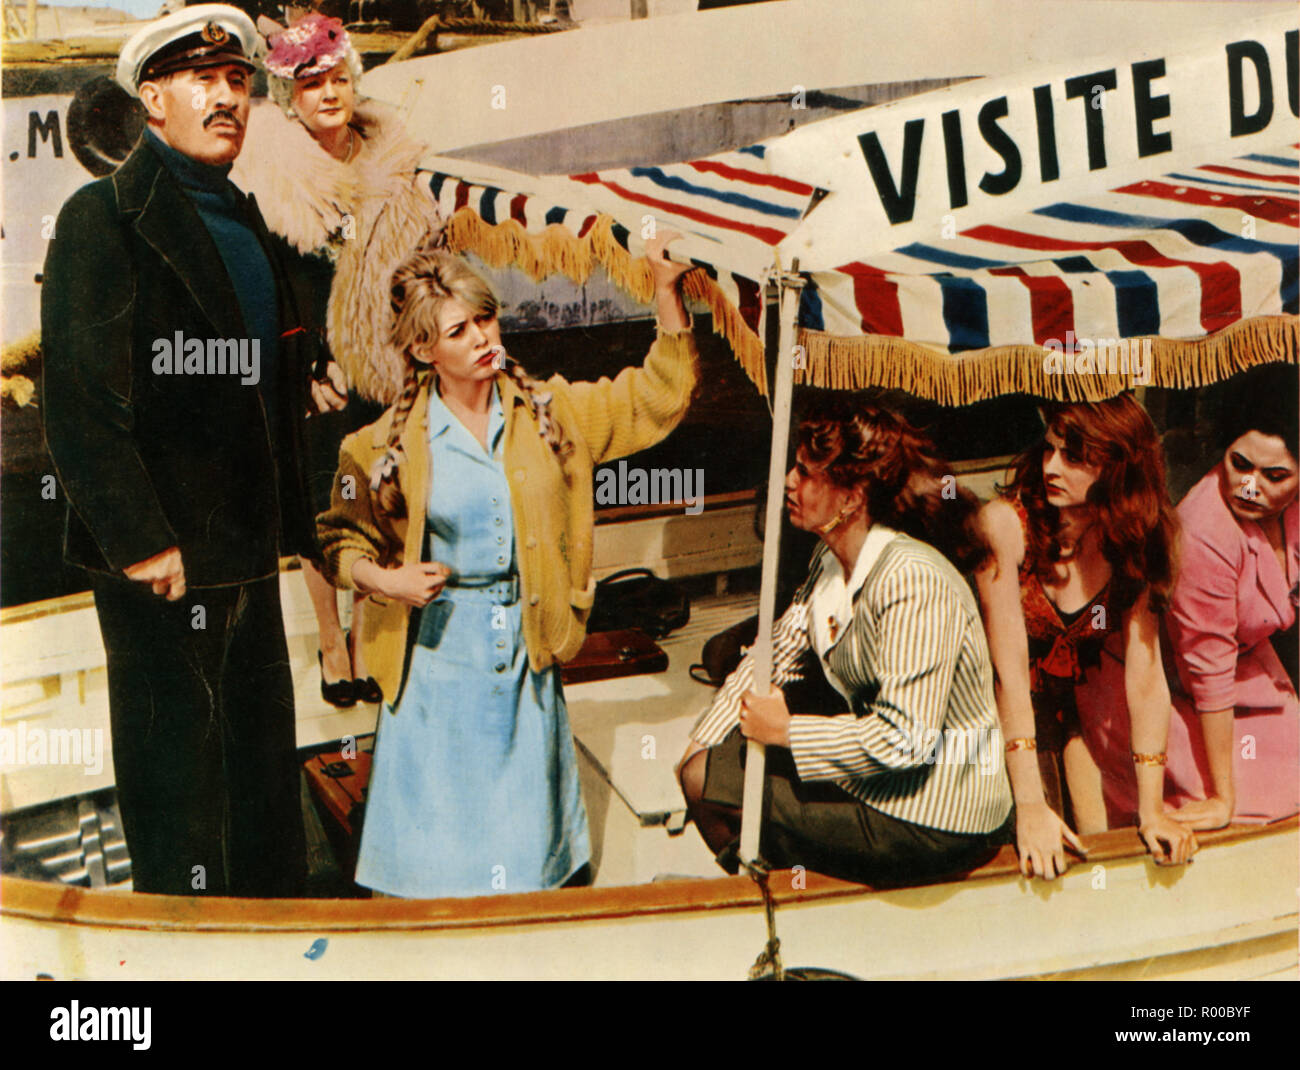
column 474, row 787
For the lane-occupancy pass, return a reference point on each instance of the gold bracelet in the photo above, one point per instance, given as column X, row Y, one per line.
column 1149, row 759
column 1022, row 743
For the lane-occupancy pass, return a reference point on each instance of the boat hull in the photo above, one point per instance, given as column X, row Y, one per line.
column 1230, row 915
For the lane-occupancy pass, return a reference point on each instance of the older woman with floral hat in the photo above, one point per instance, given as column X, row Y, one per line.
column 335, row 176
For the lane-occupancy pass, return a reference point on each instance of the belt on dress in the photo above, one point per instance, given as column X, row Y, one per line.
column 502, row 589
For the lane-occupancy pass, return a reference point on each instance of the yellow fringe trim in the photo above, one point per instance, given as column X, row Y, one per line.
column 556, row 250
column 839, row 363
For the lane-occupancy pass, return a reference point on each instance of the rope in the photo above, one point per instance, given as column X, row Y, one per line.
column 489, row 26
column 767, row 967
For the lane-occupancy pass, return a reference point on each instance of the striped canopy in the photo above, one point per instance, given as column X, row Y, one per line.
column 1069, row 230
column 732, row 216
column 1203, row 262
column 1183, row 255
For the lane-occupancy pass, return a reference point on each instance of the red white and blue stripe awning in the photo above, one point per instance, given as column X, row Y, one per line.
column 731, row 213
column 1180, row 256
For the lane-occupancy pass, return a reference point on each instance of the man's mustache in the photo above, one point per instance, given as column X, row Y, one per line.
column 222, row 113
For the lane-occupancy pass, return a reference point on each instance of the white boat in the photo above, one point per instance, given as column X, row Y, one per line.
column 1231, row 915
column 657, row 908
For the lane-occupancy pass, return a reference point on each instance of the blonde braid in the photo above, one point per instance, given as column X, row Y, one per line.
column 539, row 402
column 388, row 497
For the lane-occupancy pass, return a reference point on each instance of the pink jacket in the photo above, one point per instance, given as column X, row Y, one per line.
column 1230, row 597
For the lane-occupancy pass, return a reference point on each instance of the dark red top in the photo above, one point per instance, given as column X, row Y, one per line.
column 1062, row 647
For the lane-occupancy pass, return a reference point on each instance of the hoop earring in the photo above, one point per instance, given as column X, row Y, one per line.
column 831, row 525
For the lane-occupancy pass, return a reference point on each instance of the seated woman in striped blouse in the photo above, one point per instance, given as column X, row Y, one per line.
column 902, row 780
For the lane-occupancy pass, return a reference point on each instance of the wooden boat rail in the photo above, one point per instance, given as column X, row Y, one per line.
column 49, row 902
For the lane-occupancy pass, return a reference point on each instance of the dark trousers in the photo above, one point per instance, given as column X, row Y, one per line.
column 203, row 738
column 823, row 828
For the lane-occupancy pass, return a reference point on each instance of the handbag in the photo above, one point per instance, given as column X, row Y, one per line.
column 722, row 653
column 637, row 598
column 607, row 655
column 812, row 694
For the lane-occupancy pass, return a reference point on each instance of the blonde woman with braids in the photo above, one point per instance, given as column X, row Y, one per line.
column 465, row 515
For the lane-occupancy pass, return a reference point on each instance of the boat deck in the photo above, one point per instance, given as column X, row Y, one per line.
column 659, row 907
column 630, row 733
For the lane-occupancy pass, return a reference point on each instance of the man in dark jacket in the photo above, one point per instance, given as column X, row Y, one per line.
column 175, row 384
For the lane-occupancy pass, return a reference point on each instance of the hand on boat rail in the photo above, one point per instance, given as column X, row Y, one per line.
column 1160, row 830
column 1042, row 840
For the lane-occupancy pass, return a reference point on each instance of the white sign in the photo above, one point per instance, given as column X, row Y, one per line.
column 999, row 147
column 40, row 173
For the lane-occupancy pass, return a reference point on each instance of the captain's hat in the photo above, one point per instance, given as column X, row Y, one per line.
column 205, row 35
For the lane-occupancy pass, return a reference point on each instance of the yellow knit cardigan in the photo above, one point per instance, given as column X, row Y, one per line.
column 552, row 500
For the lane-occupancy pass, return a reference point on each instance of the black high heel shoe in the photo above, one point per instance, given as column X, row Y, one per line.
column 341, row 693
column 367, row 690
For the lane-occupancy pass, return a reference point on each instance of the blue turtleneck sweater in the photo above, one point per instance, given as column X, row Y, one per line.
column 217, row 201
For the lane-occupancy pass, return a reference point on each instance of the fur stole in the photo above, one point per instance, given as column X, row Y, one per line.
column 367, row 215
column 302, row 191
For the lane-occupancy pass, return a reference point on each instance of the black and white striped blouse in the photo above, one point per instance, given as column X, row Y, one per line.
column 920, row 739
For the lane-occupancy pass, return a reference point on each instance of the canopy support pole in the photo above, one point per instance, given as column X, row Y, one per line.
column 789, row 286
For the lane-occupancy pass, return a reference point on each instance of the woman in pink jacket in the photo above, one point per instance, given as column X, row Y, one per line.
column 1233, row 613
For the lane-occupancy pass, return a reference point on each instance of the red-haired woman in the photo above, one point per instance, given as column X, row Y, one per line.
column 1082, row 561
column 895, row 777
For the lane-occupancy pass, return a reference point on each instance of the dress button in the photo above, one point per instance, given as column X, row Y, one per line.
column 501, row 666
column 494, row 499
column 501, row 559
column 500, row 539
column 501, row 644
column 497, row 521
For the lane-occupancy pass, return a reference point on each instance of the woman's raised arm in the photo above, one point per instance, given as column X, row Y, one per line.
column 640, row 406
column 670, row 310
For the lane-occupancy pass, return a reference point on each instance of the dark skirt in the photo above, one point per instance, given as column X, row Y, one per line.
column 325, row 434
column 325, row 431
column 820, row 826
